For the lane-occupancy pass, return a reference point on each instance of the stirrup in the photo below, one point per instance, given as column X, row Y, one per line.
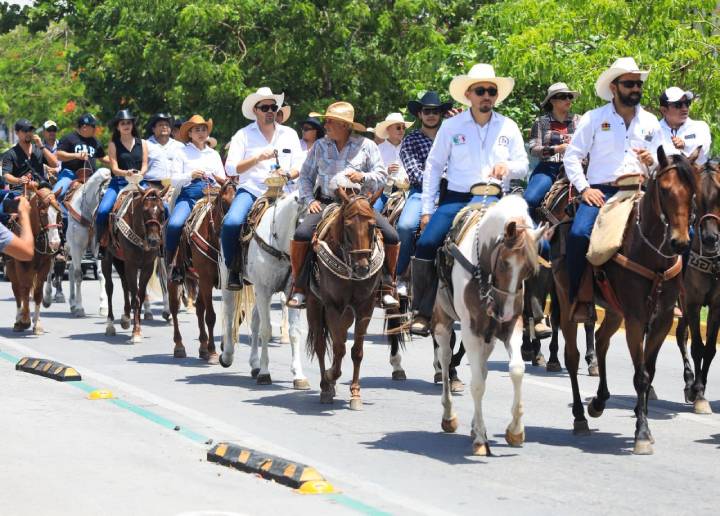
column 297, row 300
column 542, row 330
column 234, row 282
column 420, row 326
column 402, row 289
column 389, row 301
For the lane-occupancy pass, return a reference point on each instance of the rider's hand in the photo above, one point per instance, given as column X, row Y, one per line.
column 355, row 177
column 679, row 143
column 393, row 168
column 593, row 197
column 82, row 155
column 560, row 149
column 25, row 179
column 265, row 155
column 644, row 156
column 424, row 220
column 315, row 207
column 499, row 171
column 23, row 206
column 36, row 140
column 452, row 112
column 197, row 174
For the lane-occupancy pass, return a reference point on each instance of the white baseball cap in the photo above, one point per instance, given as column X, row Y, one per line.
column 674, row 94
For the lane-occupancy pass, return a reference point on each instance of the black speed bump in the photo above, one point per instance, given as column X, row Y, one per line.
column 280, row 470
column 48, row 369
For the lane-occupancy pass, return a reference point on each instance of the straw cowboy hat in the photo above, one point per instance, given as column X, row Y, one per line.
column 194, row 120
column 554, row 89
column 480, row 72
column 620, row 67
column 342, row 112
column 391, row 119
column 263, row 93
column 286, row 111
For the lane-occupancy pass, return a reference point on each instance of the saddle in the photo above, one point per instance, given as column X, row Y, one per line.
column 67, row 202
column 118, row 226
column 329, row 216
column 191, row 230
column 394, row 206
column 258, row 209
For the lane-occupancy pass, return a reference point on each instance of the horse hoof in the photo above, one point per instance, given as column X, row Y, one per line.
column 702, row 407
column 643, row 447
column 527, row 355
column 110, row 331
column 135, row 339
column 593, row 411
column 148, row 316
column 356, row 404
column 284, row 339
column 46, row 303
column 264, row 379
column 166, row 315
column 125, row 323
column 18, row 327
column 213, row 359
column 223, row 363
column 399, row 375
column 437, row 378
column 255, row 372
column 79, row 312
column 72, row 309
column 449, row 425
column 456, row 386
column 326, row 397
column 204, row 354
column 553, row 367
column 481, row 450
column 689, row 395
column 652, row 395
column 179, row 353
column 514, row 439
column 593, row 370
column 59, row 298
column 301, row 385
column 539, row 360
column 37, row 330
column 581, row 427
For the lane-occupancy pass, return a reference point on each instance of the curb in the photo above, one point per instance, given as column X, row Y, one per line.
column 48, row 369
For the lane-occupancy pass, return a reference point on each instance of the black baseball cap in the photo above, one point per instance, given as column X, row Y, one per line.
column 87, row 119
column 24, row 125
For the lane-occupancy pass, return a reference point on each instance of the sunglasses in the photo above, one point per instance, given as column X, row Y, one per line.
column 631, row 84
column 397, row 127
column 482, row 90
column 268, row 107
column 51, row 129
column 680, row 103
column 431, row 111
column 563, row 96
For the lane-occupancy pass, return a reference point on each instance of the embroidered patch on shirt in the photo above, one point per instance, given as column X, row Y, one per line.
column 503, row 140
column 605, row 126
column 649, row 137
column 458, row 139
column 689, row 136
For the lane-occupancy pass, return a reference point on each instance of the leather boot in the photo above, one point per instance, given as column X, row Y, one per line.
column 234, row 280
column 583, row 309
column 392, row 252
column 424, row 289
column 298, row 253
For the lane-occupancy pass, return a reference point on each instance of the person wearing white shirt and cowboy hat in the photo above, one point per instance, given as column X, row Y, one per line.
column 255, row 152
column 619, row 138
column 478, row 145
column 682, row 133
column 162, row 149
column 392, row 130
column 283, row 114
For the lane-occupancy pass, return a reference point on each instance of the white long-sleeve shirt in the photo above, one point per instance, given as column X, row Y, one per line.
column 391, row 154
column 470, row 152
column 694, row 133
column 601, row 134
column 190, row 158
column 161, row 158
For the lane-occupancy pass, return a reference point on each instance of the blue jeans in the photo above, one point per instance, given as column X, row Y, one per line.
column 65, row 177
column 380, row 203
column 407, row 226
column 233, row 221
column 5, row 194
column 579, row 239
column 184, row 204
column 108, row 201
column 434, row 234
column 539, row 184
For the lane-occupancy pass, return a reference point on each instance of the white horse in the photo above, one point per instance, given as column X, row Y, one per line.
column 268, row 269
column 493, row 260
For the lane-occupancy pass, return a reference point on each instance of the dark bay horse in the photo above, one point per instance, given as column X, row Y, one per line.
column 135, row 241
column 347, row 273
column 645, row 282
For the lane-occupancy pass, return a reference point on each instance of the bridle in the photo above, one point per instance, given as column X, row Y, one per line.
column 42, row 240
column 346, row 253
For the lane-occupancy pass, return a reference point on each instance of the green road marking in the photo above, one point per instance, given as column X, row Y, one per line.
column 356, row 505
column 9, row 357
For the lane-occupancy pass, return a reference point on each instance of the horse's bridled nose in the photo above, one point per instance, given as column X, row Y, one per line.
column 679, row 246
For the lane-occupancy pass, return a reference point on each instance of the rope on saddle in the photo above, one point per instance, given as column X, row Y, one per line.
column 121, row 207
column 192, row 229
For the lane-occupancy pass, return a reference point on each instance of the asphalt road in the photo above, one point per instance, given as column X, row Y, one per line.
column 65, row 454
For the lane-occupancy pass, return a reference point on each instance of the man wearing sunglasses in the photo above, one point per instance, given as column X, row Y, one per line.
column 682, row 133
column 478, row 145
column 620, row 138
column 256, row 151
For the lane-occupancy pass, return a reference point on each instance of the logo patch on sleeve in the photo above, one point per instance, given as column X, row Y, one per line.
column 689, row 136
column 504, row 141
column 458, row 139
column 605, row 126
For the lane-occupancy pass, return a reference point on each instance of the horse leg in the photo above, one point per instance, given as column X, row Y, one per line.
column 356, row 353
column 697, row 349
column 442, row 333
column 701, row 404
column 300, row 381
column 262, row 310
column 478, row 352
column 635, row 334
column 255, row 339
column 57, row 277
column 125, row 318
column 456, row 385
column 398, row 372
column 681, row 336
column 317, row 339
column 210, row 319
column 76, row 277
column 338, row 330
column 607, row 329
column 147, row 308
column 102, row 279
column 47, row 293
column 174, row 302
column 107, row 271
column 285, row 321
column 436, row 362
column 553, row 364
column 229, row 302
column 515, row 432
column 201, row 306
column 162, row 278
column 135, row 293
column 38, row 299
column 590, row 355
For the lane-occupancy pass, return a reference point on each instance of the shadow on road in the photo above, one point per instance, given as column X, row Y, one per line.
column 597, row 442
column 451, row 449
column 168, row 359
column 230, row 380
column 118, row 339
column 305, row 403
column 411, row 384
column 714, row 440
column 657, row 409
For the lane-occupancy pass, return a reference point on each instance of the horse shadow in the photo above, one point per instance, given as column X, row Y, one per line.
column 657, row 409
column 604, row 443
column 304, row 403
column 168, row 359
column 502, row 367
column 411, row 384
column 713, row 439
column 119, row 338
column 235, row 380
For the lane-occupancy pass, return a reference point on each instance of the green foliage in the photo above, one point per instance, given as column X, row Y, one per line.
column 11, row 15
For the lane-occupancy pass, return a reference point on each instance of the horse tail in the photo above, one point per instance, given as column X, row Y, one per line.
column 397, row 323
column 323, row 336
column 153, row 286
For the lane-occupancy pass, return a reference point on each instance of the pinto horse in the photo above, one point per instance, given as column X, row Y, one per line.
column 136, row 238
column 644, row 284
column 28, row 277
column 346, row 276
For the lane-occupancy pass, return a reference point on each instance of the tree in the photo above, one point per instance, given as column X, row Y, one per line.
column 11, row 15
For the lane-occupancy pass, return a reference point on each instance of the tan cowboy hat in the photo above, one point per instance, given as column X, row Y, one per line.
column 391, row 119
column 192, row 122
column 343, row 112
column 620, row 67
column 554, row 89
column 263, row 93
column 480, row 72
column 286, row 111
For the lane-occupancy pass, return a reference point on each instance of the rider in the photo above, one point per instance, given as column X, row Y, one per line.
column 312, row 131
column 128, row 156
column 478, row 145
column 162, row 150
column 413, row 154
column 197, row 165
column 255, row 152
column 49, row 140
column 392, row 130
column 620, row 138
column 680, row 131
column 358, row 158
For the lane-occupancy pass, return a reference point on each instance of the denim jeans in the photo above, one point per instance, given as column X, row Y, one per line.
column 232, row 223
column 539, row 184
column 184, row 204
column 407, row 226
column 65, row 177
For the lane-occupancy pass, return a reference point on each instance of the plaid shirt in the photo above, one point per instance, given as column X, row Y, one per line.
column 414, row 151
column 546, row 131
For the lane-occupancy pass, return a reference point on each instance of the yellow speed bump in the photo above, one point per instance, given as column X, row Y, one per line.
column 316, row 487
column 48, row 369
column 100, row 394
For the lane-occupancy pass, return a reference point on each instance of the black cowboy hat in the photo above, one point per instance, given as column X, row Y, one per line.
column 429, row 99
column 123, row 114
column 316, row 124
column 157, row 117
column 87, row 119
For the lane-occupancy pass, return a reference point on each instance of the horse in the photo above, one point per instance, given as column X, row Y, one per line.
column 268, row 270
column 199, row 248
column 27, row 277
column 135, row 241
column 641, row 285
column 346, row 275
column 702, row 287
column 487, row 297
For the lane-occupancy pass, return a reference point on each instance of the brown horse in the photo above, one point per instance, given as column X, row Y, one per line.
column 644, row 284
column 199, row 249
column 27, row 278
column 346, row 276
column 136, row 238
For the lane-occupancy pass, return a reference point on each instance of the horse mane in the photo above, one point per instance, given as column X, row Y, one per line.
column 709, row 187
column 684, row 169
column 90, row 189
column 491, row 227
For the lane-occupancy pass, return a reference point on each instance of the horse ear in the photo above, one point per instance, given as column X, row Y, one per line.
column 164, row 191
column 540, row 231
column 694, row 155
column 375, row 196
column 662, row 157
column 342, row 194
column 510, row 230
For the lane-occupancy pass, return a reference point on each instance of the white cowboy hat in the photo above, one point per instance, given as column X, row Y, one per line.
column 391, row 119
column 620, row 67
column 558, row 87
column 343, row 112
column 286, row 111
column 480, row 72
column 263, row 93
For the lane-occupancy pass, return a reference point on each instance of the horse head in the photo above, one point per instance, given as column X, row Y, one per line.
column 707, row 226
column 46, row 218
column 357, row 234
column 671, row 190
column 152, row 217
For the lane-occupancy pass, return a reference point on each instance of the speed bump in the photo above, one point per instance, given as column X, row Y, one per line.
column 280, row 470
column 48, row 369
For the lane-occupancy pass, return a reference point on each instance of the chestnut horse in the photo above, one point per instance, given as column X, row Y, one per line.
column 644, row 284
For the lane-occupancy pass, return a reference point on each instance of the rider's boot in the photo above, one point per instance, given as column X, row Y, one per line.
column 582, row 309
column 298, row 253
column 234, row 281
column 392, row 251
column 424, row 287
column 175, row 274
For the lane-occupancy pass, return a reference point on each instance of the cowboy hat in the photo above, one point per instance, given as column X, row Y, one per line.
column 391, row 119
column 157, row 117
column 286, row 111
column 263, row 93
column 123, row 114
column 480, row 72
column 429, row 99
column 554, row 89
column 192, row 122
column 343, row 112
column 620, row 67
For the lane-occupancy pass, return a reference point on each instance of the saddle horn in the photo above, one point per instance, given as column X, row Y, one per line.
column 342, row 194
